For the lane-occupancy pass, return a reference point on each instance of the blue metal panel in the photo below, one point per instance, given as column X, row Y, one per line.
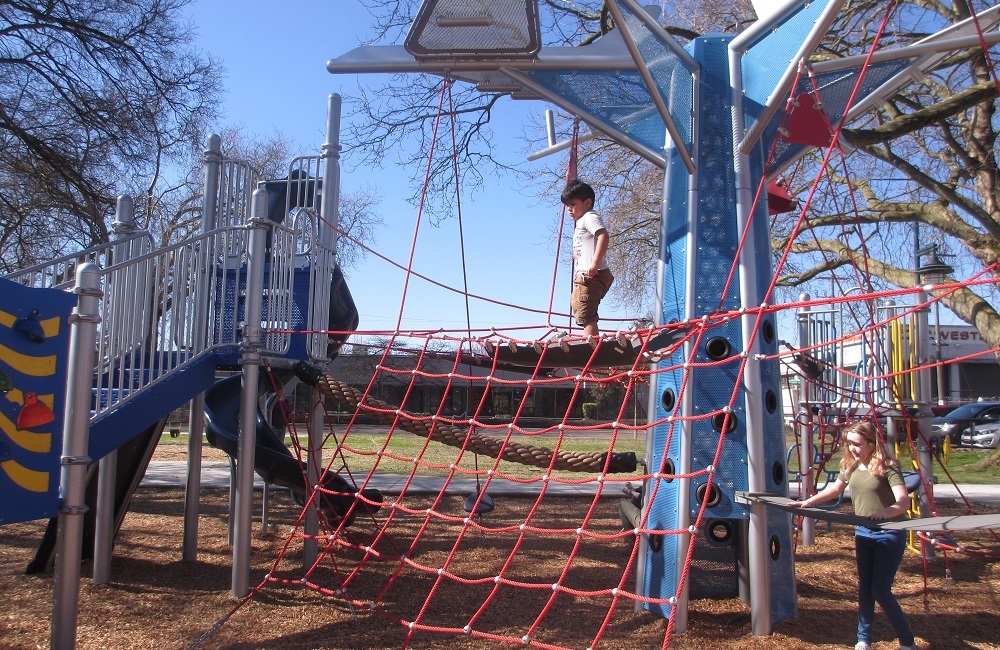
column 713, row 388
column 33, row 361
column 154, row 403
column 674, row 231
column 781, row 566
column 766, row 60
column 231, row 290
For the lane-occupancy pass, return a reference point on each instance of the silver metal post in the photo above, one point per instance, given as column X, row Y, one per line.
column 750, row 298
column 314, row 465
column 925, row 460
column 889, row 396
column 804, row 420
column 104, row 527
column 250, row 360
column 123, row 227
column 76, row 440
column 192, row 487
column 196, row 412
column 937, row 343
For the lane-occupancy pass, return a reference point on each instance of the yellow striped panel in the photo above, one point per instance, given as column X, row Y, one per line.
column 50, row 326
column 29, row 479
column 28, row 365
column 40, row 443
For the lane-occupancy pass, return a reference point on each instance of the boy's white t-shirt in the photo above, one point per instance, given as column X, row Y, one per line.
column 584, row 241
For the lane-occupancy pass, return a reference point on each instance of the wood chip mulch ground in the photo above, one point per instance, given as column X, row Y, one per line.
column 155, row 600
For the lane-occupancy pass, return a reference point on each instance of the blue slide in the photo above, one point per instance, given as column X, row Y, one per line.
column 273, row 460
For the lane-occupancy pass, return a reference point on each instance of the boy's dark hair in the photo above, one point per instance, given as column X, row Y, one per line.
column 577, row 189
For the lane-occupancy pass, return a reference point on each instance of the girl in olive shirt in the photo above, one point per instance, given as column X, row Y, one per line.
column 877, row 492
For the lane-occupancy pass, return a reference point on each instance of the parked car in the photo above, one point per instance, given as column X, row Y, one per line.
column 986, row 436
column 956, row 423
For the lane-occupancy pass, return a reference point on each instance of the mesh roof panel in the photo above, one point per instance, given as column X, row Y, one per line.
column 674, row 81
column 834, row 90
column 619, row 100
column 471, row 29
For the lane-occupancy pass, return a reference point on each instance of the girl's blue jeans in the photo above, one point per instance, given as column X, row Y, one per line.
column 879, row 553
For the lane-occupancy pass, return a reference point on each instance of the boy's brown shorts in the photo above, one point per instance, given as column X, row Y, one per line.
column 587, row 294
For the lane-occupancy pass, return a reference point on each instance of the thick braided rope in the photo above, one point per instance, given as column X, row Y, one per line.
column 477, row 443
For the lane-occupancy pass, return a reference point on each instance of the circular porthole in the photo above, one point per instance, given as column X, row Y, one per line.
column 668, row 400
column 771, row 401
column 668, row 468
column 719, row 532
column 719, row 421
column 775, row 547
column 778, row 473
column 714, row 496
column 718, row 348
column 767, row 331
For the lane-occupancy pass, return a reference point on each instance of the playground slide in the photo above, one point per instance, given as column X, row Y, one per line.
column 272, row 459
column 132, row 461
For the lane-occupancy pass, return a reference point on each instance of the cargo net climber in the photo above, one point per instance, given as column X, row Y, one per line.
column 536, row 569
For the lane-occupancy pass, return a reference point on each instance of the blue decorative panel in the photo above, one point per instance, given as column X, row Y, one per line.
column 34, row 345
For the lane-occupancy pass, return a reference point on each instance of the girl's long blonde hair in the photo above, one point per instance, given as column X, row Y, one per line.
column 880, row 457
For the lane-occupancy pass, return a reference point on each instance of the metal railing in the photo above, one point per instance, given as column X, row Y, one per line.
column 61, row 273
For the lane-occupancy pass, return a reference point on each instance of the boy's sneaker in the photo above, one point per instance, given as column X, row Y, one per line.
column 862, row 645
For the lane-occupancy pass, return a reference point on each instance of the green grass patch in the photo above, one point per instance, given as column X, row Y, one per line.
column 363, row 451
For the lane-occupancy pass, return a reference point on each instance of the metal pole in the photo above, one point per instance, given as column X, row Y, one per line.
column 807, row 476
column 107, row 468
column 889, row 396
column 104, row 526
column 74, row 460
column 192, row 487
column 750, row 298
column 196, row 411
column 250, row 360
column 314, row 465
column 925, row 460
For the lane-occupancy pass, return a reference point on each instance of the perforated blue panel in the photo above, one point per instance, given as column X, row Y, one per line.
column 620, row 100
column 768, row 57
column 231, row 290
column 674, row 81
column 709, row 263
column 834, row 91
column 713, row 388
column 716, row 231
column 674, row 231
column 781, row 566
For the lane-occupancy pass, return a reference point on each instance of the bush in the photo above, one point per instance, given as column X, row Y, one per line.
column 589, row 410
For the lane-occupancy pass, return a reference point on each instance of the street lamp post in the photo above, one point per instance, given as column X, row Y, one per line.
column 934, row 272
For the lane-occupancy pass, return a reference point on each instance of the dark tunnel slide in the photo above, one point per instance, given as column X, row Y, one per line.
column 272, row 459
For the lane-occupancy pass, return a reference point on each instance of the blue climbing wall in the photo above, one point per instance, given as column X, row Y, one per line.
column 698, row 249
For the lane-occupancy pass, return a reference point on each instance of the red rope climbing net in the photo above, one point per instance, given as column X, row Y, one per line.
column 435, row 562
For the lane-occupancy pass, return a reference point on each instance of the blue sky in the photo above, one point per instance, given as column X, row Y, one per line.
column 277, row 81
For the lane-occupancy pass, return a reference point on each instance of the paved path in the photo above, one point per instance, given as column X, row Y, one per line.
column 216, row 474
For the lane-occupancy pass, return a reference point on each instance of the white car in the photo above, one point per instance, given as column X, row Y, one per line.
column 984, row 436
